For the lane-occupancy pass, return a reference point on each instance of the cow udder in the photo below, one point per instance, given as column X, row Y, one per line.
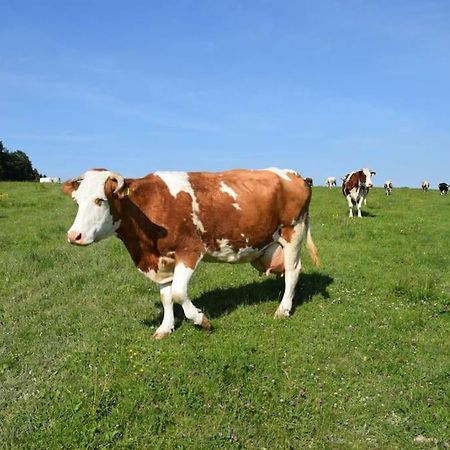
column 271, row 261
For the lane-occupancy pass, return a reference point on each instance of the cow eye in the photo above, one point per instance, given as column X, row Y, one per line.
column 99, row 201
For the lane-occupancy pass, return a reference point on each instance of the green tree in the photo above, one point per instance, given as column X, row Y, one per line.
column 16, row 166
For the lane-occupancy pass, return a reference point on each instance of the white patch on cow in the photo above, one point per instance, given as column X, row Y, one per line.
column 227, row 254
column 228, row 190
column 179, row 182
column 94, row 221
column 282, row 173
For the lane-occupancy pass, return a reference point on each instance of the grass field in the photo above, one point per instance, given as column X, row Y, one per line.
column 364, row 362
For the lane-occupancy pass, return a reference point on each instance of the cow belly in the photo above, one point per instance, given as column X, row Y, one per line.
column 271, row 261
column 225, row 253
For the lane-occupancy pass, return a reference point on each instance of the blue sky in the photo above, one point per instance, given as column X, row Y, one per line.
column 323, row 87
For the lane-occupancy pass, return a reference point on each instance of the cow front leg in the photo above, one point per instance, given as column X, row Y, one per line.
column 350, row 206
column 168, row 323
column 359, row 206
column 181, row 278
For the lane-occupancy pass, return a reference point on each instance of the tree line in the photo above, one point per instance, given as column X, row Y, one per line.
column 16, row 166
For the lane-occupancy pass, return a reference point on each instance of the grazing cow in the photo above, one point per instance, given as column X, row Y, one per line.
column 425, row 185
column 170, row 221
column 309, row 181
column 330, row 182
column 355, row 188
column 388, row 187
column 443, row 188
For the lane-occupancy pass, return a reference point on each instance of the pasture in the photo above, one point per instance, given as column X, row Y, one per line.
column 364, row 361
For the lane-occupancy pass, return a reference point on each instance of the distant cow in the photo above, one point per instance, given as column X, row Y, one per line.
column 388, row 187
column 50, row 180
column 443, row 188
column 355, row 188
column 170, row 221
column 330, row 182
column 425, row 185
column 309, row 181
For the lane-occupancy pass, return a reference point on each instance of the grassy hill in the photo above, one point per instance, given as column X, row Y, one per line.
column 364, row 362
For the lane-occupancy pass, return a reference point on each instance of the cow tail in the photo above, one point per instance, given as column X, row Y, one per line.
column 312, row 249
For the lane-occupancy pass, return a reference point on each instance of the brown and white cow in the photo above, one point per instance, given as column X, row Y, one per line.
column 355, row 188
column 170, row 221
column 425, row 185
column 388, row 187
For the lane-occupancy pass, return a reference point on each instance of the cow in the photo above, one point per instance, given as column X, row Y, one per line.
column 355, row 187
column 49, row 180
column 330, row 182
column 425, row 185
column 388, row 187
column 170, row 221
column 443, row 188
column 309, row 181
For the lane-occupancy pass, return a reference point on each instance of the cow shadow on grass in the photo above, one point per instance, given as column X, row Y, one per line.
column 367, row 214
column 219, row 302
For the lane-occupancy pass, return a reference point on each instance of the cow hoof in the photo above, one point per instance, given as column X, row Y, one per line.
column 158, row 335
column 281, row 313
column 206, row 324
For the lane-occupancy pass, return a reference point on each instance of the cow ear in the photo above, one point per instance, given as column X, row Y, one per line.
column 116, row 185
column 71, row 185
column 372, row 173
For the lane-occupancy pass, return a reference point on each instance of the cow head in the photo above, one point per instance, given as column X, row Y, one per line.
column 366, row 178
column 94, row 191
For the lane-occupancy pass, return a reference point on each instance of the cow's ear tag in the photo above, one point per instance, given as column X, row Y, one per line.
column 125, row 192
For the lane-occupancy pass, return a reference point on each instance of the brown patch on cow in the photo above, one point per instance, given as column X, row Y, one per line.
column 278, row 202
column 286, row 233
column 69, row 186
column 154, row 224
column 353, row 181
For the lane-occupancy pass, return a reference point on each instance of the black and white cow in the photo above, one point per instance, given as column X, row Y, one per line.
column 443, row 188
column 388, row 187
column 425, row 185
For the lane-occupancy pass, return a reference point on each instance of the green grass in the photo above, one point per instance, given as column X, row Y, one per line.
column 364, row 362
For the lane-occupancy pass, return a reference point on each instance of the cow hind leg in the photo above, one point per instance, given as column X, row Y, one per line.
column 291, row 240
column 180, row 283
column 359, row 205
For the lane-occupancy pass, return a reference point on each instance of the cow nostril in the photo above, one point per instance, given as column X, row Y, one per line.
column 74, row 236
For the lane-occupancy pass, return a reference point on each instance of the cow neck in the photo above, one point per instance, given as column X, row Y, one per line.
column 138, row 233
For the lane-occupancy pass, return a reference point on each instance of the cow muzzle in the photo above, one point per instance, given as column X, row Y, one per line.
column 75, row 237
